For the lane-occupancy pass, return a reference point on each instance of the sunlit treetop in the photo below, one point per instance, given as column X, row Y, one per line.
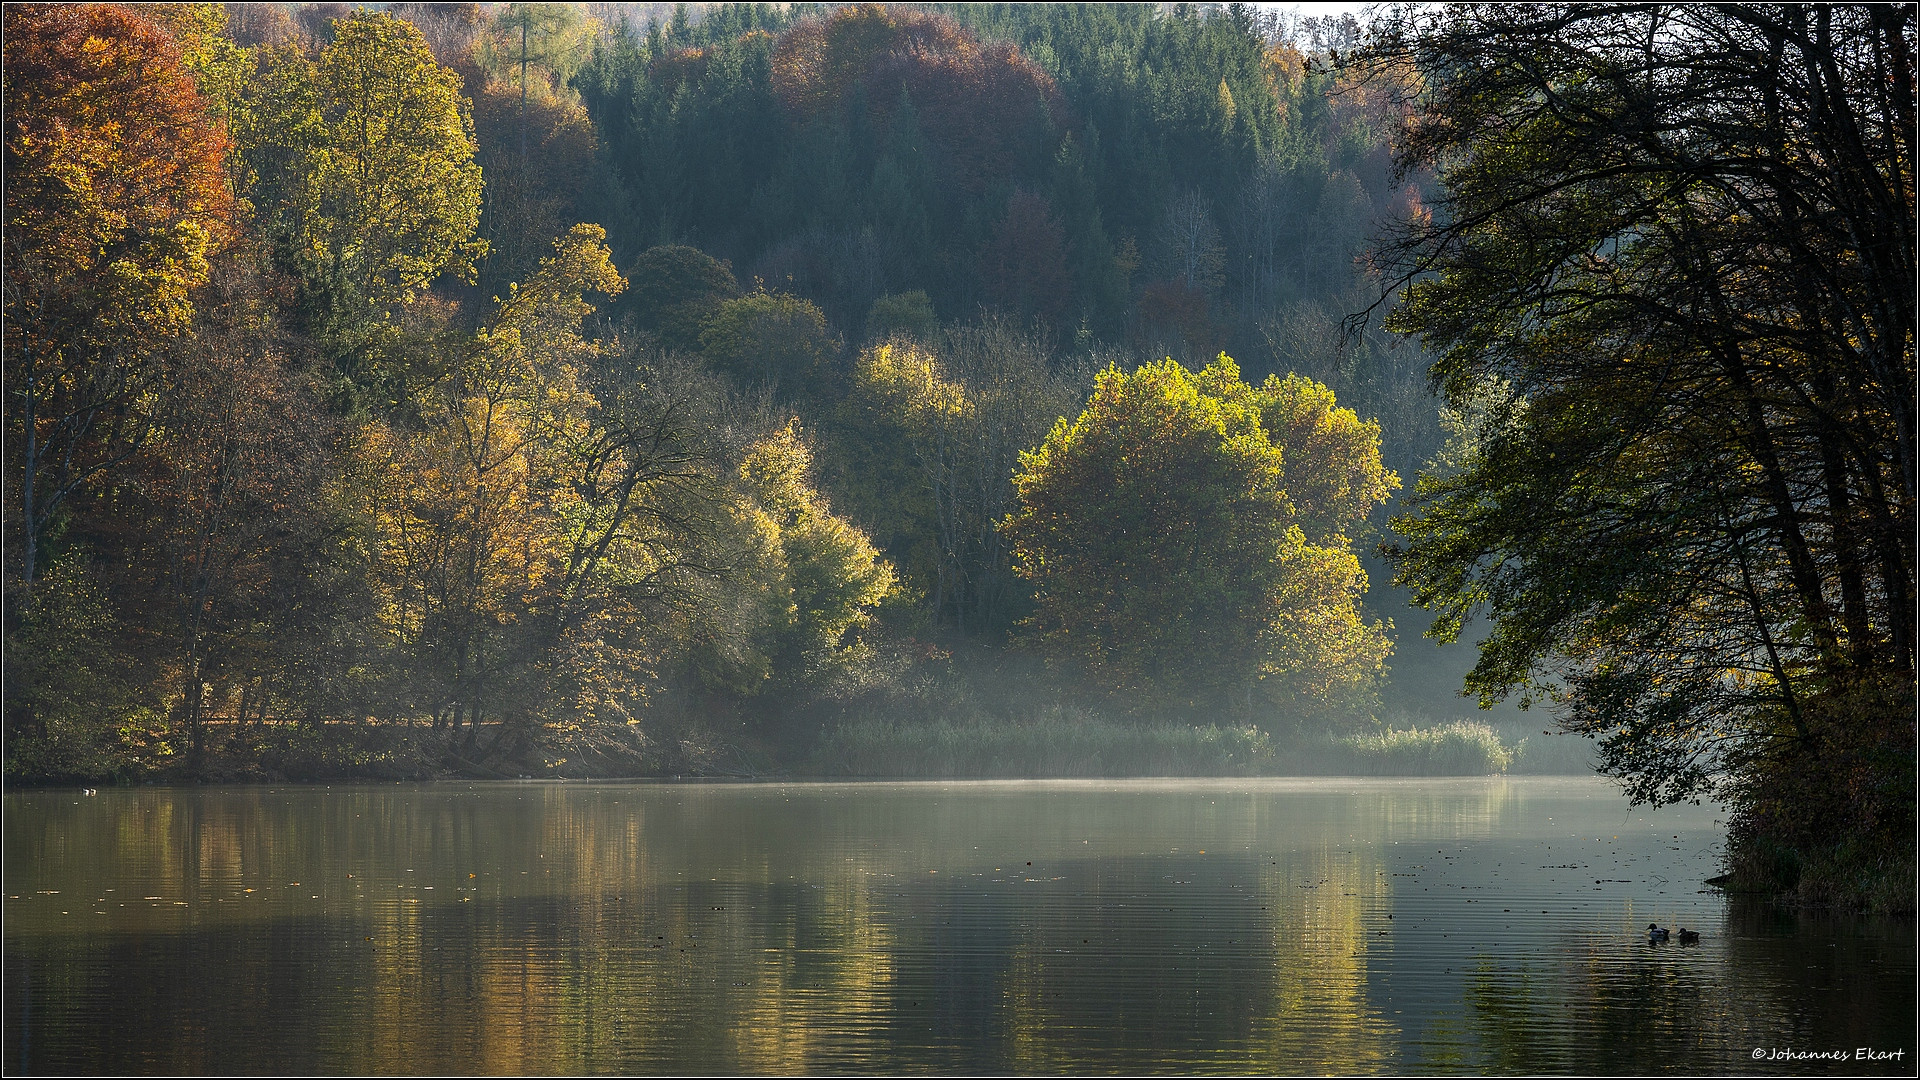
column 115, row 192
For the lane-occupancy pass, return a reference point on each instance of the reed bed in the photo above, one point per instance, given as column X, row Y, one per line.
column 1457, row 748
column 1070, row 742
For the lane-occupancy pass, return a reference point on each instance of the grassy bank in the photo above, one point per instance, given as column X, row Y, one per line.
column 1456, row 748
column 990, row 719
column 1068, row 742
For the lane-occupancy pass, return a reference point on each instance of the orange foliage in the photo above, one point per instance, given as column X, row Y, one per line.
column 116, row 192
column 969, row 95
column 1286, row 70
column 1379, row 101
column 679, row 68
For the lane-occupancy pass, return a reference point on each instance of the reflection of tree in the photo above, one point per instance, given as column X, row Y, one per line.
column 639, row 930
column 1512, row 1023
column 1131, row 982
column 1321, row 1017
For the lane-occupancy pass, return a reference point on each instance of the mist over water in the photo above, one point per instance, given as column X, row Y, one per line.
column 1266, row 925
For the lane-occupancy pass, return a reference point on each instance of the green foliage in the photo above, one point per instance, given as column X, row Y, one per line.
column 909, row 315
column 396, row 191
column 474, row 510
column 832, row 577
column 928, row 439
column 71, row 684
column 772, row 341
column 1192, row 188
column 1172, row 563
column 803, row 587
column 675, row 290
column 545, row 38
column 1832, row 828
column 364, row 466
column 276, row 129
column 1684, row 505
column 219, row 67
column 363, row 159
column 1196, row 184
column 1684, row 495
column 396, row 194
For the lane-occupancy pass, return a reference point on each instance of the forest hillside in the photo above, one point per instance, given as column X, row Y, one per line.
column 656, row 386
column 625, row 389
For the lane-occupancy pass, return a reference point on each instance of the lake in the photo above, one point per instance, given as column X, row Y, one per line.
column 1274, row 925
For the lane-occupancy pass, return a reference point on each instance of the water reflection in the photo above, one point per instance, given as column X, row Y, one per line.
column 1232, row 926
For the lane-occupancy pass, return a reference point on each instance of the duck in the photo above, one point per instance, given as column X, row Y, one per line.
column 1689, row 937
column 1656, row 935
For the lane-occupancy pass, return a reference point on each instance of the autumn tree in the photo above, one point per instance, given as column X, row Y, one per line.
column 534, row 143
column 534, row 39
column 254, row 25
column 822, row 574
column 479, row 508
column 659, row 551
column 934, row 432
column 219, row 66
column 530, row 196
column 365, row 160
column 1174, row 563
column 397, row 190
column 115, row 200
column 227, row 528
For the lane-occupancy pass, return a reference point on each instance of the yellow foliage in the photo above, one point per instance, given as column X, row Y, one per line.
column 912, row 381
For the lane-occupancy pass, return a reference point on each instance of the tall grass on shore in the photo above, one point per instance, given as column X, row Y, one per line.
column 1066, row 741
column 1459, row 748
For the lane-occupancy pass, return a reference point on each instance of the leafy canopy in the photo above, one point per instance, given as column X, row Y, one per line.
column 396, row 187
column 116, row 199
column 1175, row 566
column 1672, row 276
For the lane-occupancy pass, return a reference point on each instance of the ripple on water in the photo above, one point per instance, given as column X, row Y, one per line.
column 1235, row 926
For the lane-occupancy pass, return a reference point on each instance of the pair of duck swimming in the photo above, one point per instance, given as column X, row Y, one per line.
column 1656, row 934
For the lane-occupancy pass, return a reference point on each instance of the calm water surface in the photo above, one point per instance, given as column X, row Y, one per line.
column 1288, row 926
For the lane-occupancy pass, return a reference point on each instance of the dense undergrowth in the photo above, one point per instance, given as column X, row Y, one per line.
column 1832, row 824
